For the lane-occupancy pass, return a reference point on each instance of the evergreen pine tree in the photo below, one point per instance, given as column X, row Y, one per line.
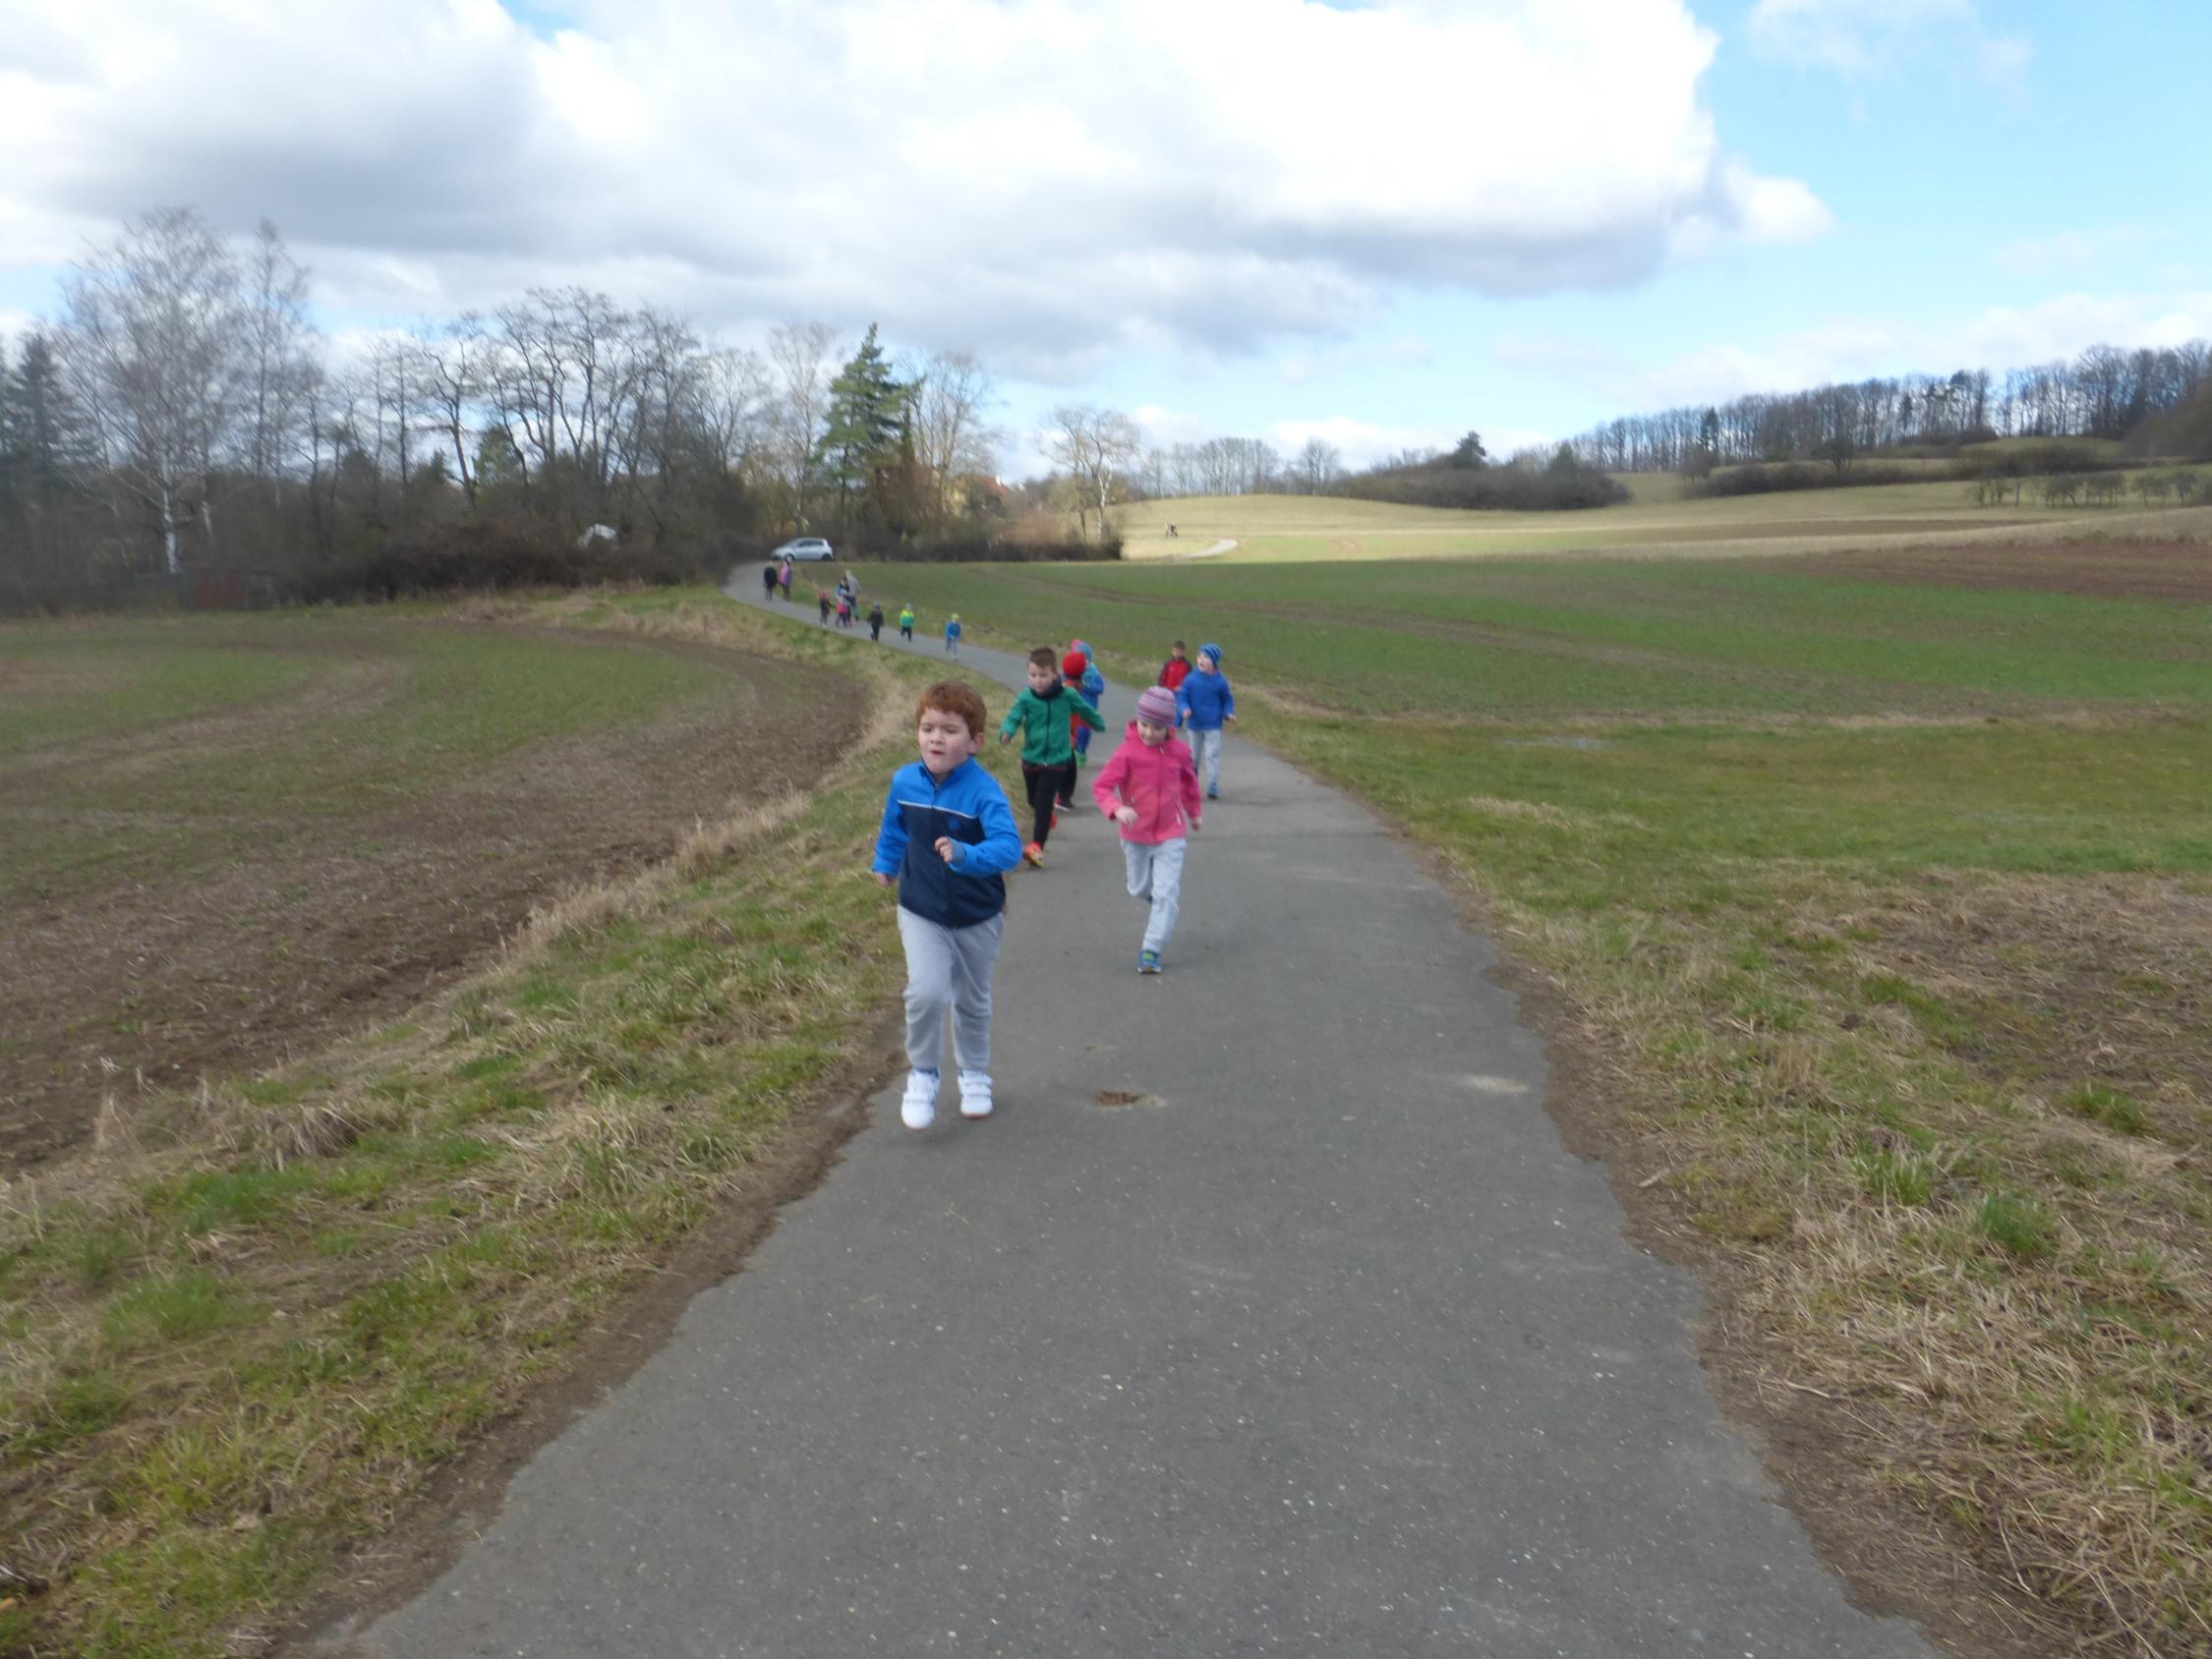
column 866, row 429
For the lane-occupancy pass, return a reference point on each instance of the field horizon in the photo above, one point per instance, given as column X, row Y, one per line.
column 1661, row 522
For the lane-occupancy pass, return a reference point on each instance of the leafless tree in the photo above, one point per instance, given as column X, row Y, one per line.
column 734, row 414
column 950, row 435
column 1319, row 465
column 1093, row 446
column 799, row 354
column 456, row 379
column 282, row 360
column 154, row 323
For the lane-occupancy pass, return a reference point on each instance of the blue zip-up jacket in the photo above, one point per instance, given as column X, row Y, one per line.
column 967, row 805
column 1203, row 701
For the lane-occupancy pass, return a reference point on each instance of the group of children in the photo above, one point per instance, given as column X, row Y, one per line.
column 948, row 836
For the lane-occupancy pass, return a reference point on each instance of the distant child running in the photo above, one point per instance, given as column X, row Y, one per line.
column 906, row 623
column 1076, row 673
column 1048, row 758
column 1175, row 668
column 1206, row 705
column 952, row 636
column 1152, row 790
column 875, row 620
column 823, row 594
column 1092, row 684
column 768, row 579
column 947, row 838
column 844, row 611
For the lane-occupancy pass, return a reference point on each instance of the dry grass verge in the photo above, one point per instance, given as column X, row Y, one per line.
column 1938, row 1133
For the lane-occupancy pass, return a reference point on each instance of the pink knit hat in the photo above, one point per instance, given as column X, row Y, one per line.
column 1157, row 705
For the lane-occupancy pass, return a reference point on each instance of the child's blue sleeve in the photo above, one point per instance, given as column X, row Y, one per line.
column 1000, row 849
column 891, row 839
column 1183, row 702
column 1228, row 699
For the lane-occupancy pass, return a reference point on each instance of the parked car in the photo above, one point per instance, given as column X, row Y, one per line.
column 806, row 547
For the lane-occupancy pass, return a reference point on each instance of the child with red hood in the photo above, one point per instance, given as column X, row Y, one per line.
column 1082, row 678
column 1150, row 789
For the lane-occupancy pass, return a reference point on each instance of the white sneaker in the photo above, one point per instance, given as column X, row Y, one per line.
column 976, row 1094
column 918, row 1110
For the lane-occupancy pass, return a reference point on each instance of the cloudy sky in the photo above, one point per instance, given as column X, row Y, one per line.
column 1384, row 221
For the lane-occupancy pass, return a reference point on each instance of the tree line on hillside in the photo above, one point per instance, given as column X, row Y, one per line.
column 2151, row 401
column 1464, row 476
column 183, row 415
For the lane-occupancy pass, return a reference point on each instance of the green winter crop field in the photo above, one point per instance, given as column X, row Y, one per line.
column 1877, row 890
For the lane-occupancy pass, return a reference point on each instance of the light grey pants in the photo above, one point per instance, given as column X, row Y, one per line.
column 1205, row 756
column 949, row 968
column 1155, row 873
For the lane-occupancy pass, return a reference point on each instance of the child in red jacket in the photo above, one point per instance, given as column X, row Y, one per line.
column 1152, row 790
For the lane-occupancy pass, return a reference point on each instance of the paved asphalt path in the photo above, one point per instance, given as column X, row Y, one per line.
column 1326, row 1346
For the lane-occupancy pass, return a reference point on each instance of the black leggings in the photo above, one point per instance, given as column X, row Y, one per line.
column 1044, row 786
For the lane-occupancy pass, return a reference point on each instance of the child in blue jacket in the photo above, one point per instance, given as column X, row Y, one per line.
column 1203, row 705
column 947, row 840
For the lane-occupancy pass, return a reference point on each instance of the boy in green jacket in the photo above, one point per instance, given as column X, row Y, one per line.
column 1048, row 752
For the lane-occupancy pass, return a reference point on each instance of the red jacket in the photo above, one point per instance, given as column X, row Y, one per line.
column 1160, row 783
column 1173, row 671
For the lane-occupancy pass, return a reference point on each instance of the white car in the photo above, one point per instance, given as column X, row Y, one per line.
column 803, row 551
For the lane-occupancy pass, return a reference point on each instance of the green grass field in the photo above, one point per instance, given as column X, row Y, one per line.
column 1591, row 640
column 1657, row 521
column 1884, row 908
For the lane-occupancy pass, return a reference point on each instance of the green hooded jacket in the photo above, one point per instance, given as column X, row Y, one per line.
column 1046, row 739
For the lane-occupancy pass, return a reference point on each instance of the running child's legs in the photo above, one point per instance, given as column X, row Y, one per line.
column 1156, row 873
column 949, row 969
column 1205, row 757
column 1044, row 786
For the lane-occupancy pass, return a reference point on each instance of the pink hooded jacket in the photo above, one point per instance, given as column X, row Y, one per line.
column 1160, row 783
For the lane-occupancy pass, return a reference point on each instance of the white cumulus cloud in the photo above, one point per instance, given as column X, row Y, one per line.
column 1047, row 181
column 1860, row 38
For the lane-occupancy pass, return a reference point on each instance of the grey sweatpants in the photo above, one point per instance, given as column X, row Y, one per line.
column 1205, row 757
column 1155, row 872
column 949, row 968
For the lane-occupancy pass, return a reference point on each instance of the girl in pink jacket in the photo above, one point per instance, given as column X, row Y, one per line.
column 1152, row 790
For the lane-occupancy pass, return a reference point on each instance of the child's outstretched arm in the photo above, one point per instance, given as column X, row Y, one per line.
column 1105, row 786
column 1015, row 718
column 890, row 838
column 1088, row 714
column 1187, row 786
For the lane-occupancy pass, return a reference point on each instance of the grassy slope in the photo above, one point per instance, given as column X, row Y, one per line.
column 1888, row 908
column 239, row 1336
column 1298, row 528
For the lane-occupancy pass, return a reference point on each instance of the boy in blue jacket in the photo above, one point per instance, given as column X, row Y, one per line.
column 1203, row 705
column 947, row 838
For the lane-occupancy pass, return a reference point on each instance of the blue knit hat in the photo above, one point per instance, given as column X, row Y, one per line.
column 1209, row 649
